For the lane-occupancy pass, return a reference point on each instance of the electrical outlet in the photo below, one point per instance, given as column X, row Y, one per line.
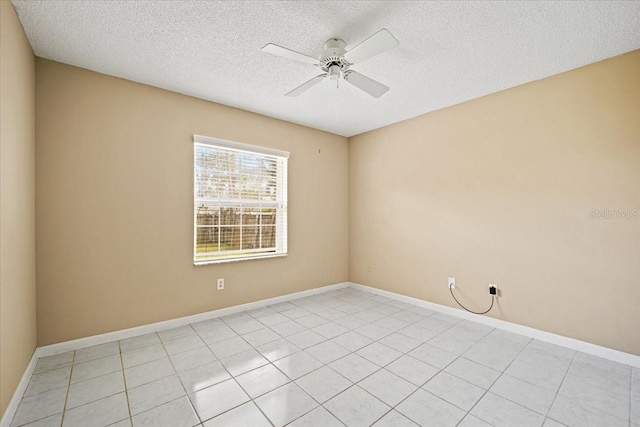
column 451, row 283
column 220, row 284
column 369, row 269
column 493, row 290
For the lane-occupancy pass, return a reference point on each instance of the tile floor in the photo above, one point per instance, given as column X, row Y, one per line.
column 345, row 357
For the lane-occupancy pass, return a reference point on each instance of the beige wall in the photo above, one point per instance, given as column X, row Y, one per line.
column 115, row 198
column 499, row 190
column 17, row 199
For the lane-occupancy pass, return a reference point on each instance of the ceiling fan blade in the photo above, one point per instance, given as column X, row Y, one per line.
column 366, row 84
column 306, row 85
column 274, row 49
column 377, row 43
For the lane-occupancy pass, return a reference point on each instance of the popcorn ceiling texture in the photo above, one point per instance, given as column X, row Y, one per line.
column 449, row 52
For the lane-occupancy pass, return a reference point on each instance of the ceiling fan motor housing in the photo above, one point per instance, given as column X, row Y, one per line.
column 332, row 60
column 333, row 47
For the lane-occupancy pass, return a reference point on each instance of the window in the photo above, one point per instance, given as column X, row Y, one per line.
column 240, row 201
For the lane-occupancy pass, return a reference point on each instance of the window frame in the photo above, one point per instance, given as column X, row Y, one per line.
column 281, row 203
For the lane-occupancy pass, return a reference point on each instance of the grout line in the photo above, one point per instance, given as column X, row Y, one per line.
column 314, row 370
column 290, row 380
column 79, row 382
column 175, row 372
column 354, row 383
column 423, row 384
column 228, row 372
column 392, row 408
column 487, row 390
column 630, row 396
column 124, row 378
column 97, row 358
column 89, row 379
column 66, row 397
column 560, row 386
column 251, row 399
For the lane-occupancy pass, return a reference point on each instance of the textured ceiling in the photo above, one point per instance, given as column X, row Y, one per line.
column 449, row 52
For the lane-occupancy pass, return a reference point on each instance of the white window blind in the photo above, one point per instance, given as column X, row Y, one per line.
column 240, row 201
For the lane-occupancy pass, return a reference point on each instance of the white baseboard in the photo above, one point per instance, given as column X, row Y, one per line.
column 574, row 344
column 62, row 347
column 17, row 394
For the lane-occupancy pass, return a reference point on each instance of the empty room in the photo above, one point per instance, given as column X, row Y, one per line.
column 319, row 213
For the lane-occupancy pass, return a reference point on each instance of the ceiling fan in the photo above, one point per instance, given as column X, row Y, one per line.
column 335, row 61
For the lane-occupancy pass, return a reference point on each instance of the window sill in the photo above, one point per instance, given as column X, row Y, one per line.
column 226, row 260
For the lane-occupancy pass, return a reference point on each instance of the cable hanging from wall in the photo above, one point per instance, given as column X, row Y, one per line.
column 493, row 291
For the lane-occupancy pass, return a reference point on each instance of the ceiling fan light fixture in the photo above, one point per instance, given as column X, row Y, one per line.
column 334, row 72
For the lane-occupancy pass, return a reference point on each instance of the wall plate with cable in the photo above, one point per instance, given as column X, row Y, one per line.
column 493, row 290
